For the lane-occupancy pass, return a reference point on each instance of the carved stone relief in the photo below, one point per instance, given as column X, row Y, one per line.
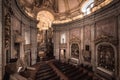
column 8, row 12
column 74, row 33
column 7, row 36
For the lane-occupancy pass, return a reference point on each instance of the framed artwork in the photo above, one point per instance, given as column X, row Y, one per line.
column 106, row 57
column 75, row 50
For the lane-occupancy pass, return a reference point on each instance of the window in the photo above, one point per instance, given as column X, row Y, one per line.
column 27, row 37
column 63, row 38
column 87, row 6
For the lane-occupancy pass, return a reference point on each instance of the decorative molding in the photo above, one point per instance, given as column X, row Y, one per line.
column 75, row 40
column 110, row 10
column 106, row 38
column 7, row 32
column 7, row 3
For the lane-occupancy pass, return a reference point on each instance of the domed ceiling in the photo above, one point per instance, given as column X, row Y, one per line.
column 62, row 10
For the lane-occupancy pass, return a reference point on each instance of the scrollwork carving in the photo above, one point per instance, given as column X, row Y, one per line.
column 7, row 2
column 7, row 20
column 75, row 39
column 7, row 30
column 106, row 38
column 7, row 35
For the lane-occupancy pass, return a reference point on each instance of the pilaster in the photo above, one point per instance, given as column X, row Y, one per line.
column 93, row 46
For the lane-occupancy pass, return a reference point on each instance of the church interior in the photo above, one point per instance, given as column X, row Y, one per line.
column 59, row 39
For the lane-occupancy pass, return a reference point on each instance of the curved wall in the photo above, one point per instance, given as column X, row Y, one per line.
column 101, row 26
column 16, row 25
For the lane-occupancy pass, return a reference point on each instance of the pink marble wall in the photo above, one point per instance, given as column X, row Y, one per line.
column 87, row 34
column 75, row 33
column 106, row 27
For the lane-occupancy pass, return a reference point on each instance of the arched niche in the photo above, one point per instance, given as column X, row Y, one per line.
column 106, row 57
column 75, row 51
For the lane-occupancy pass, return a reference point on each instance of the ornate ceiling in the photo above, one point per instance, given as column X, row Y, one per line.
column 63, row 10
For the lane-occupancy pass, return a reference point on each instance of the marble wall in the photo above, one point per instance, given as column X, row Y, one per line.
column 17, row 23
column 89, row 32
